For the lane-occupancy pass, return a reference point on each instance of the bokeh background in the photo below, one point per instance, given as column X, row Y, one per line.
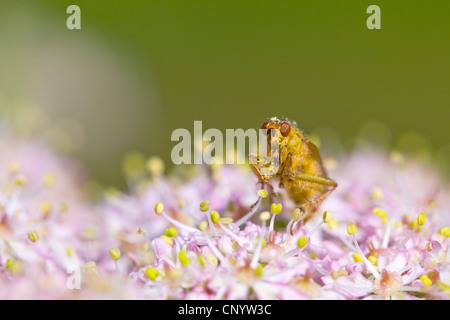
column 137, row 70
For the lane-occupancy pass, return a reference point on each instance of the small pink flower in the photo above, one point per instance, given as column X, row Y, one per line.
column 388, row 284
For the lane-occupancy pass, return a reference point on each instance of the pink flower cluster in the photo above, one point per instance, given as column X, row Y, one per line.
column 210, row 233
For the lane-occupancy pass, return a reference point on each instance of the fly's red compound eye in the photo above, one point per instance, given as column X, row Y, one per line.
column 285, row 128
column 264, row 126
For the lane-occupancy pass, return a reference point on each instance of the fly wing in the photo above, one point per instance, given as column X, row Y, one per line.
column 308, row 156
column 312, row 163
column 306, row 161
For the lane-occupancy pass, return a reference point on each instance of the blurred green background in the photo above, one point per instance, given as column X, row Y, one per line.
column 137, row 70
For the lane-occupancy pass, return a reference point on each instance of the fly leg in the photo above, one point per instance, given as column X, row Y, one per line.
column 319, row 182
column 264, row 181
column 287, row 165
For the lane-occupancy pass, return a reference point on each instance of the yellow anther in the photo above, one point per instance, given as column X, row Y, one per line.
column 332, row 223
column 33, row 236
column 181, row 203
column 141, row 231
column 49, row 179
column 14, row 167
column 184, row 258
column 114, row 253
column 426, row 280
column 13, row 265
column 204, row 206
column 215, row 216
column 279, row 208
column 201, row 260
column 171, row 232
column 357, row 257
column 45, row 207
column 377, row 193
column 264, row 242
column 155, row 165
column 372, row 259
column 151, row 273
column 159, row 208
column 351, row 229
column 9, row 262
column 264, row 216
column 63, row 207
column 445, row 231
column 421, row 219
column 167, row 239
column 301, row 242
column 273, row 208
column 398, row 224
column 211, row 259
column 380, row 212
column 276, row 208
column 326, row 217
column 259, row 270
column 203, row 225
column 70, row 251
column 90, row 232
column 262, row 193
column 21, row 180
